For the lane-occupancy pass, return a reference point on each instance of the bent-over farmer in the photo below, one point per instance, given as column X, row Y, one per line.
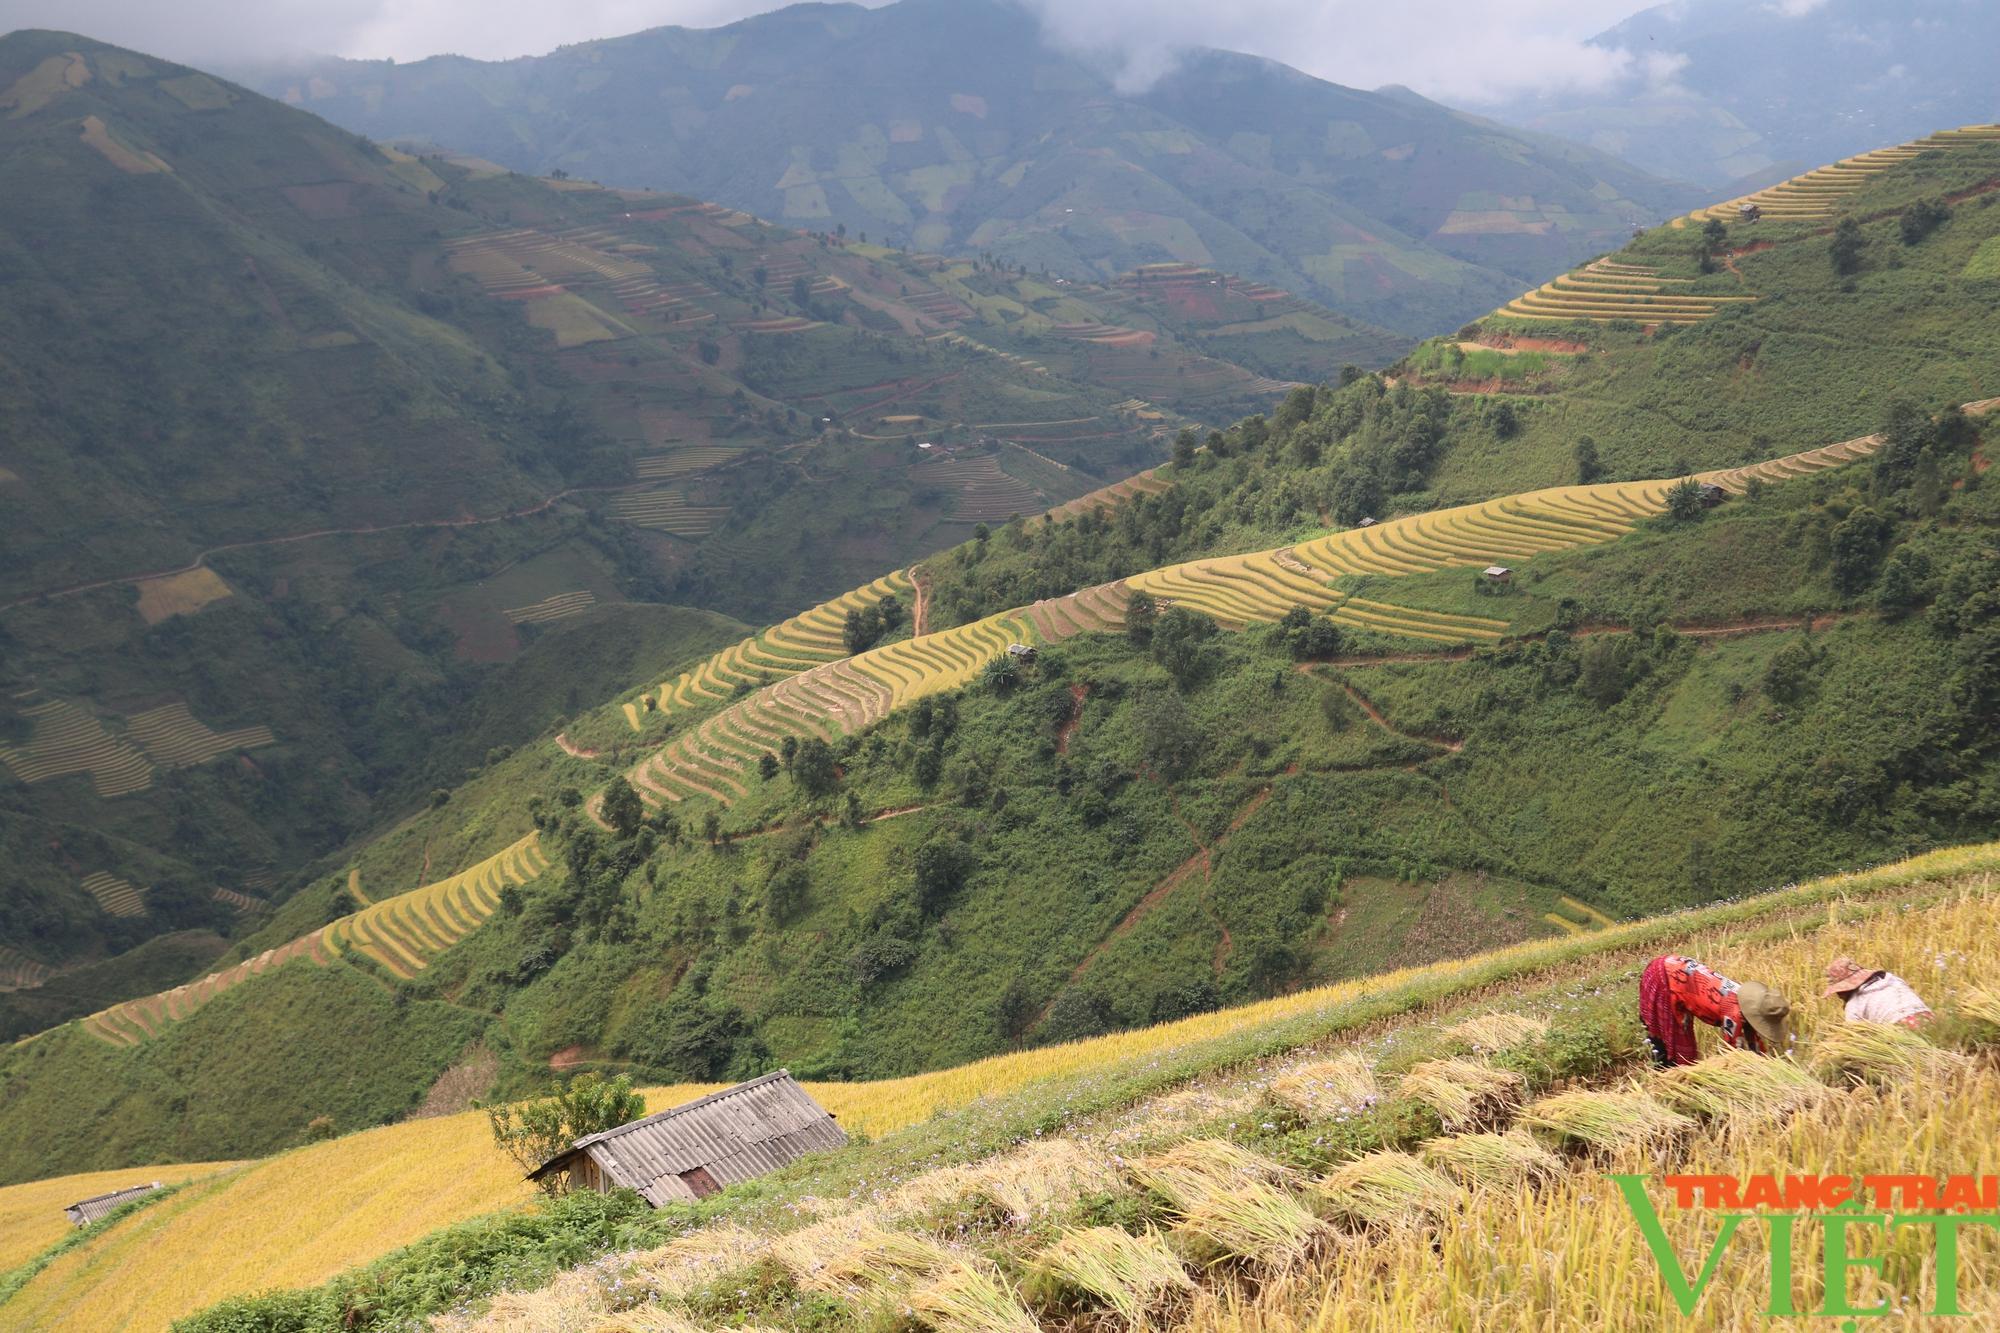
column 1675, row 991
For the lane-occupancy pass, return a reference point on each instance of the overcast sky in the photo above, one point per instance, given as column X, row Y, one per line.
column 1463, row 50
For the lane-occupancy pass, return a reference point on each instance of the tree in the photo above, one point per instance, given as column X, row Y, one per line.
column 1714, row 234
column 1856, row 546
column 1589, row 467
column 862, row 630
column 1845, row 249
column 786, row 892
column 1788, row 677
column 622, row 808
column 1168, row 741
column 711, row 826
column 1684, row 503
column 814, row 768
column 1921, row 219
column 1184, row 447
column 1608, row 667
column 1901, row 590
column 942, row 863
column 891, row 612
column 1141, row 614
column 1181, row 645
column 532, row 1132
column 1506, row 422
column 1001, row 674
column 1075, row 1015
column 767, row 766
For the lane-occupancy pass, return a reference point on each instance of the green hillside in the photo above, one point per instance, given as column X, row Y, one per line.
column 330, row 474
column 956, row 127
column 1663, row 704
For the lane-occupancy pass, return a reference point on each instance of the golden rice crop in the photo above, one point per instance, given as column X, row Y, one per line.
column 854, row 1253
column 1736, row 1083
column 970, row 1298
column 1500, row 1161
column 1199, row 1166
column 1462, row 1092
column 1325, row 1089
column 1037, row 1180
column 1498, row 1031
column 1980, row 1004
column 1133, row 1275
column 1387, row 1188
column 1877, row 1053
column 1252, row 1222
column 1609, row 1120
column 684, row 1264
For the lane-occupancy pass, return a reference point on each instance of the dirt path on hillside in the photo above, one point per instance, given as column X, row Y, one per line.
column 766, row 830
column 920, row 602
column 1375, row 716
column 573, row 750
column 1077, row 694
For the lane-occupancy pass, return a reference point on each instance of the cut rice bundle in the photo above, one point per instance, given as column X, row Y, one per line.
column 1980, row 1004
column 1388, row 1189
column 1498, row 1161
column 856, row 1253
column 1133, row 1275
column 970, row 1298
column 1328, row 1089
column 1736, row 1083
column 1199, row 1167
column 1038, row 1180
column 1253, row 1222
column 1499, row 1031
column 1463, row 1092
column 1627, row 1118
column 1878, row 1053
column 682, row 1265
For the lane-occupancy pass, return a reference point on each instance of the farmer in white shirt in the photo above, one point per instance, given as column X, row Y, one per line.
column 1874, row 996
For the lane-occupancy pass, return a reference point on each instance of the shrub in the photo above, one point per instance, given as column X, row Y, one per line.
column 532, row 1132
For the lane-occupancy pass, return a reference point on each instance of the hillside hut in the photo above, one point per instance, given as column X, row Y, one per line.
column 99, row 1206
column 1712, row 495
column 1021, row 652
column 1366, row 523
column 710, row 1143
column 1748, row 212
column 1498, row 574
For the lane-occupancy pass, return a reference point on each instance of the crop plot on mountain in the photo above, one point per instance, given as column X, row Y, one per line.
column 668, row 511
column 1607, row 290
column 1815, row 195
column 173, row 738
column 67, row 740
column 116, row 896
column 560, row 606
column 981, row 491
column 181, row 594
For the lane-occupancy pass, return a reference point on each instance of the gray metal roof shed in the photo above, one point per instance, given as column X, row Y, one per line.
column 98, row 1206
column 710, row 1143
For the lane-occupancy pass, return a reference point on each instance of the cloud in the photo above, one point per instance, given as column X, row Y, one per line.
column 1793, row 9
column 1444, row 48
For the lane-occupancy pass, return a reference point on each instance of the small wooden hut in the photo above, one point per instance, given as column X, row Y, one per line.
column 710, row 1143
column 99, row 1206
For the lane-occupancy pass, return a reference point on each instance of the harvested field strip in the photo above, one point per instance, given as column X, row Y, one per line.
column 20, row 972
column 557, row 607
column 667, row 511
column 67, row 740
column 115, row 896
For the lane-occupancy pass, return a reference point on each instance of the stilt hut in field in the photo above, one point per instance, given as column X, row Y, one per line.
column 710, row 1143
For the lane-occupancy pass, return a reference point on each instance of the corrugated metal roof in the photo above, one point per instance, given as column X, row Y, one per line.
column 98, row 1206
column 734, row 1135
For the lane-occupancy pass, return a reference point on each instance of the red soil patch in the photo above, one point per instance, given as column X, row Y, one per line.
column 569, row 1057
column 573, row 750
column 1077, row 693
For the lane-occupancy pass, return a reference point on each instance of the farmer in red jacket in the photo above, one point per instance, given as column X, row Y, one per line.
column 1675, row 991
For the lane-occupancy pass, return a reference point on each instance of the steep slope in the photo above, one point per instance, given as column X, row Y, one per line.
column 333, row 473
column 943, row 1143
column 956, row 127
column 912, row 856
column 1725, row 92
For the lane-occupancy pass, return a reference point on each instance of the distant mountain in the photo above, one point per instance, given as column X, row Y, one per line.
column 1759, row 90
column 328, row 472
column 952, row 125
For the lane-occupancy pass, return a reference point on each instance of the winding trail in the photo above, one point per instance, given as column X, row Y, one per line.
column 920, row 602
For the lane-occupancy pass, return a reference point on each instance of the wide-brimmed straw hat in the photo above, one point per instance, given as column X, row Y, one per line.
column 1843, row 974
column 1765, row 1010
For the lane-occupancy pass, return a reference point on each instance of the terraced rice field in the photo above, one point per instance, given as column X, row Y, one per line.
column 115, row 896
column 20, row 972
column 983, row 492
column 561, row 605
column 68, row 740
column 681, row 462
column 1148, row 482
column 405, row 932
column 402, row 933
column 715, row 758
column 809, row 639
column 1813, row 196
column 667, row 511
column 1608, row 290
column 173, row 738
column 240, row 902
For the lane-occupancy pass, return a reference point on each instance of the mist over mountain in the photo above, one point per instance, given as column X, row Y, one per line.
column 958, row 127
column 1732, row 91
